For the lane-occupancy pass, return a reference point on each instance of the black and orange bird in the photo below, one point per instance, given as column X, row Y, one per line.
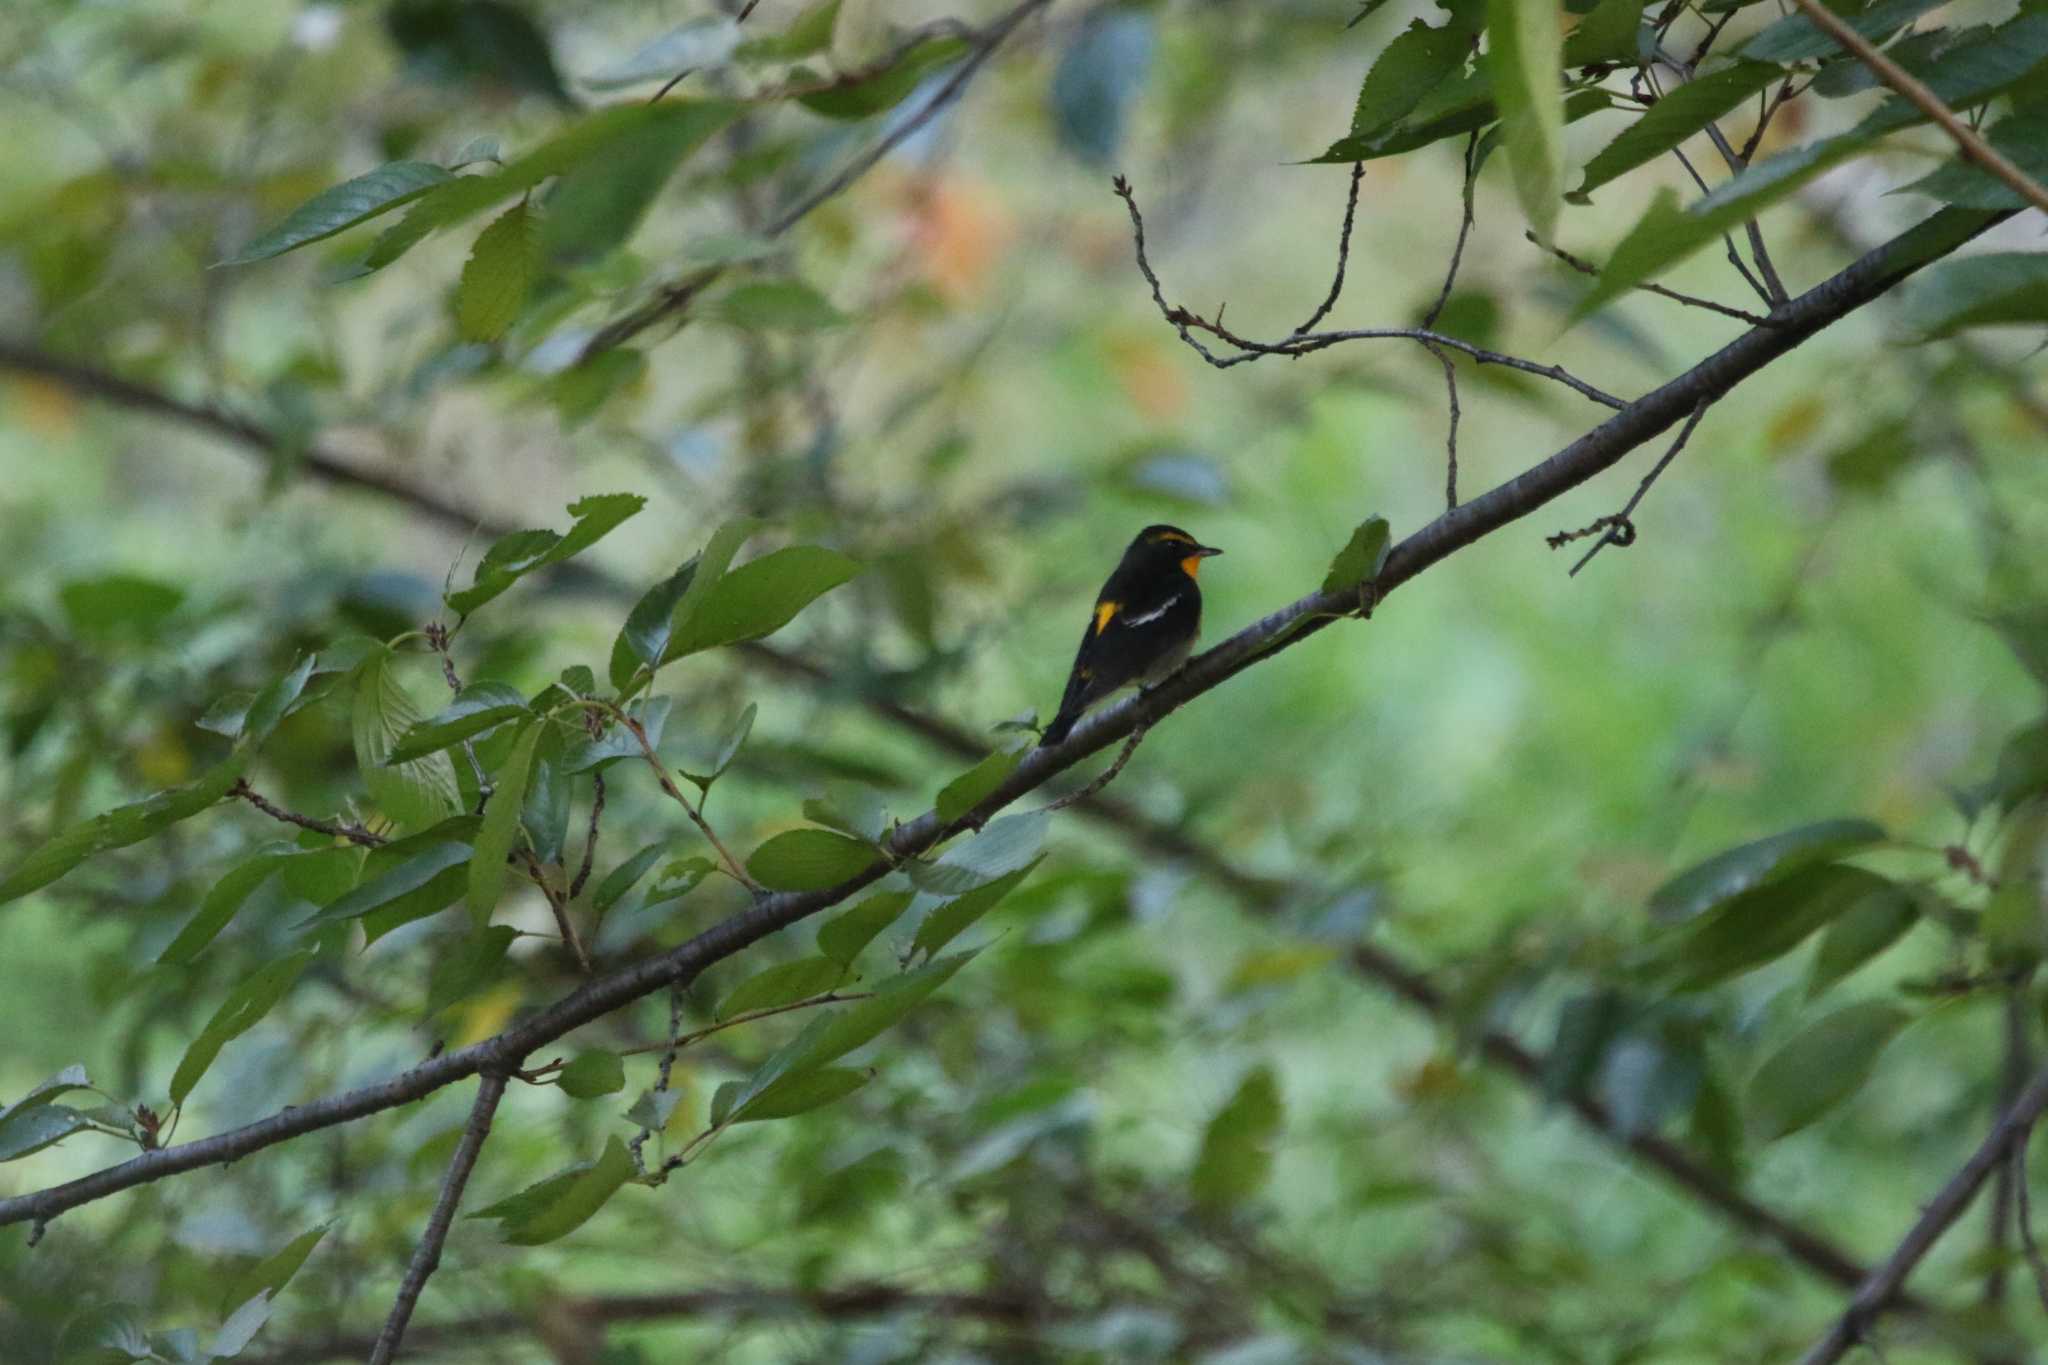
column 1146, row 620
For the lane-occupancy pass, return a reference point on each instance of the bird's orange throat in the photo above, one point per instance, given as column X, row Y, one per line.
column 1189, row 565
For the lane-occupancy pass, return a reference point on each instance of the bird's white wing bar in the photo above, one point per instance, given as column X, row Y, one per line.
column 1154, row 614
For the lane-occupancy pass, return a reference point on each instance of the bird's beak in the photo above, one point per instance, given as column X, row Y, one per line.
column 1204, row 551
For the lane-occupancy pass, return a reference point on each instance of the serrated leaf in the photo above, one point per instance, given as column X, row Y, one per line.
column 415, row 793
column 591, row 1074
column 559, row 1205
column 644, row 637
column 545, row 813
column 342, row 207
column 243, row 1008
column 1525, row 52
column 622, row 878
column 809, row 860
column 1362, row 556
column 777, row 305
column 711, row 565
column 1865, row 930
column 1819, row 1067
column 801, row 1093
column 1415, row 63
column 499, row 833
column 1008, row 843
column 520, row 553
column 1796, row 38
column 1726, row 875
column 1236, row 1156
column 429, row 877
column 600, row 202
column 1610, row 32
column 500, row 272
column 225, row 899
column 972, row 787
column 1766, row 922
column 1684, row 111
column 842, row 937
column 864, row 98
column 782, row 984
column 475, row 709
column 948, row 921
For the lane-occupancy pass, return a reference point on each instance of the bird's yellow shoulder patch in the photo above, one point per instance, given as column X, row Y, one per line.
column 1105, row 612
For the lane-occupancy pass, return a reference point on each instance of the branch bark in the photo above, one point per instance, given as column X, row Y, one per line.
column 426, row 1257
column 1883, row 1286
column 1583, row 459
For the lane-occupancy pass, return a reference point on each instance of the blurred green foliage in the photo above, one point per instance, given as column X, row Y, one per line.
column 1329, row 1042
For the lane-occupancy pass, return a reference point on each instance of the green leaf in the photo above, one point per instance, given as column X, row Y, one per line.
column 1525, row 52
column 758, row 598
column 1869, row 927
column 118, row 603
column 808, row 34
column 972, row 787
column 342, row 207
column 32, row 1130
column 1236, row 1157
column 476, row 708
column 139, row 820
column 863, row 1021
column 777, row 305
column 694, row 45
column 561, row 1204
column 500, row 829
column 1362, row 557
column 1795, row 38
column 271, row 1274
column 1006, row 845
column 801, row 1093
column 1610, row 32
column 243, row 1008
column 498, row 276
column 809, row 860
column 842, row 937
column 545, row 815
column 516, row 555
column 598, row 204
column 225, row 899
column 618, row 742
column 864, row 98
column 948, row 921
column 415, row 793
column 644, row 637
column 1686, row 110
column 728, row 749
column 1997, row 288
column 1766, row 922
column 241, row 1326
column 1819, row 1067
column 1726, row 875
column 851, row 808
column 782, row 984
column 711, row 565
column 1868, row 463
column 1415, row 63
column 421, row 884
column 71, row 1078
column 621, row 879
column 474, row 963
column 2021, row 137
column 592, row 1074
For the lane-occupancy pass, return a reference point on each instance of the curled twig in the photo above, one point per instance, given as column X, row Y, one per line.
column 1620, row 529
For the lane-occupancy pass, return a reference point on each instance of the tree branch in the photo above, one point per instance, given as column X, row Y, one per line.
column 1973, row 147
column 427, row 1255
column 1588, row 456
column 1884, row 1284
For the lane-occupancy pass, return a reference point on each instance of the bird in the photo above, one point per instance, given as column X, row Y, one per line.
column 1145, row 623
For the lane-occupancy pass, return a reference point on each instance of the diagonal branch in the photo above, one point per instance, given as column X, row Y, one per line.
column 1941, row 1212
column 1582, row 460
column 1973, row 146
column 426, row 1257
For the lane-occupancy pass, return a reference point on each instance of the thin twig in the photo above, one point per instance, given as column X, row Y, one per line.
column 1620, row 529
column 558, row 904
column 1187, row 323
column 1443, row 296
column 1940, row 1213
column 668, row 1066
column 353, row 833
column 1106, row 776
column 590, row 839
column 425, row 1257
column 1973, row 146
column 1343, row 253
column 668, row 785
column 1585, row 267
column 1727, row 239
column 674, row 299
